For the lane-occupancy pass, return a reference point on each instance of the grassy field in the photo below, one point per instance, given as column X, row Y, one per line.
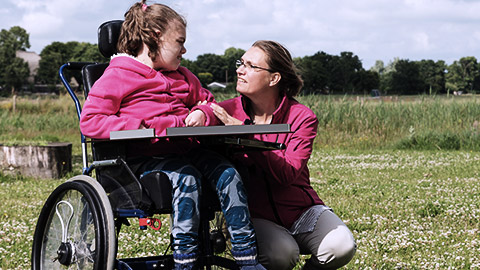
column 402, row 173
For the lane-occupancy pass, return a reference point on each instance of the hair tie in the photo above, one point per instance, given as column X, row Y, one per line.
column 144, row 7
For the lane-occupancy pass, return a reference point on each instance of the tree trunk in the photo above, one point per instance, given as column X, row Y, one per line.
column 51, row 161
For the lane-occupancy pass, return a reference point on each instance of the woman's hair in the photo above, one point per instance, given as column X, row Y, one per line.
column 141, row 22
column 280, row 60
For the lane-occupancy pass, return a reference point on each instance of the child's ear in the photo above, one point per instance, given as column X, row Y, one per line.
column 158, row 34
column 275, row 78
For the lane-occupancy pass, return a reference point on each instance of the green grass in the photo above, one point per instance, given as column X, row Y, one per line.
column 403, row 174
column 407, row 209
column 422, row 123
column 397, row 123
column 38, row 120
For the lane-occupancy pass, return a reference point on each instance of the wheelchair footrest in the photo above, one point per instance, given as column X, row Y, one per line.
column 156, row 262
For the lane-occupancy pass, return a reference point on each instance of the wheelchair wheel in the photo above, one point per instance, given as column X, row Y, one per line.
column 221, row 244
column 75, row 229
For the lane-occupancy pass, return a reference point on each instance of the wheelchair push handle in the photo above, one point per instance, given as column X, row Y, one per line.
column 72, row 66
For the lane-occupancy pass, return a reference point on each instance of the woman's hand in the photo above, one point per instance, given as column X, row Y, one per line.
column 195, row 119
column 226, row 118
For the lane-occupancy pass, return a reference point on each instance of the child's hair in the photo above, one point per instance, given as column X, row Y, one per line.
column 141, row 22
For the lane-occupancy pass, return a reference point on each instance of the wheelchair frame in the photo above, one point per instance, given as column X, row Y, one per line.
column 80, row 222
column 83, row 201
column 78, row 228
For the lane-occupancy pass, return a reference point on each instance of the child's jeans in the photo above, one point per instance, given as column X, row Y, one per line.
column 186, row 173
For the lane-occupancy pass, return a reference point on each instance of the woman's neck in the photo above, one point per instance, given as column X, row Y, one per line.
column 262, row 110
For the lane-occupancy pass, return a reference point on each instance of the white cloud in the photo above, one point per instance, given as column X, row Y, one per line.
column 49, row 23
column 421, row 41
column 371, row 29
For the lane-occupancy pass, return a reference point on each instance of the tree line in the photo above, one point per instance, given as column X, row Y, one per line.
column 322, row 73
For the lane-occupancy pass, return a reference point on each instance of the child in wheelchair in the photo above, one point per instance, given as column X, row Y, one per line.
column 144, row 86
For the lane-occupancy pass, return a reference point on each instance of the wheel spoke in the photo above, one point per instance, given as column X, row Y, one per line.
column 71, row 222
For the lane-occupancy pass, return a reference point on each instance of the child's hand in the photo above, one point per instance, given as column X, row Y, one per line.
column 195, row 119
column 226, row 118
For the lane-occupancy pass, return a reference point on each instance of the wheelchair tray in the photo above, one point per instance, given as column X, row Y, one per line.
column 213, row 134
column 227, row 130
column 201, row 131
column 132, row 134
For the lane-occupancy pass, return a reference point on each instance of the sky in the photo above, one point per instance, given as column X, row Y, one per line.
column 371, row 29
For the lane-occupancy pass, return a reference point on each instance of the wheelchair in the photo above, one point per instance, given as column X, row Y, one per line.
column 80, row 222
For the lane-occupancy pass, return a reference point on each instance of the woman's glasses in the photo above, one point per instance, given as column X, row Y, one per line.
column 249, row 66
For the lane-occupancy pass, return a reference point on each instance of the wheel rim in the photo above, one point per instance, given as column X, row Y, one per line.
column 108, row 243
column 79, row 249
column 80, row 235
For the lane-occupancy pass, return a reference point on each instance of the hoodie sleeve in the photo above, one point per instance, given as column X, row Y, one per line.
column 100, row 112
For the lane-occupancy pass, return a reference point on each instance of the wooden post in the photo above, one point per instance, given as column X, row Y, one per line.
column 14, row 104
column 50, row 161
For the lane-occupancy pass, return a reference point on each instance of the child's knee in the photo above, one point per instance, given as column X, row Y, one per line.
column 188, row 179
column 227, row 177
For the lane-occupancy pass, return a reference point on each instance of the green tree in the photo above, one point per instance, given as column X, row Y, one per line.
column 379, row 67
column 316, row 72
column 54, row 55
column 86, row 52
column 205, row 78
column 229, row 57
column 386, row 75
column 366, row 81
column 433, row 75
column 406, row 78
column 462, row 74
column 385, row 83
column 16, row 73
column 214, row 64
column 13, row 70
column 476, row 82
column 344, row 73
column 191, row 65
column 14, row 40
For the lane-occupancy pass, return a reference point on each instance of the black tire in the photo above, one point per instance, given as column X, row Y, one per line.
column 88, row 243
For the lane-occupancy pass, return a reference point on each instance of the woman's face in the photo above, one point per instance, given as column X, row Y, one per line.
column 253, row 81
column 171, row 47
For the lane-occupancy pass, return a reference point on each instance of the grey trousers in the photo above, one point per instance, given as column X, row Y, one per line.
column 331, row 244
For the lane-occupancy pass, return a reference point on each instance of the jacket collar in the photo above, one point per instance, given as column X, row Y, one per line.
column 132, row 63
column 278, row 114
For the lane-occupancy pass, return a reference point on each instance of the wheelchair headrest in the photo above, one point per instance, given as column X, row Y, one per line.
column 108, row 34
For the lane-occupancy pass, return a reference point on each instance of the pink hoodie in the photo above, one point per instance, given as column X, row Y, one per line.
column 130, row 93
column 278, row 186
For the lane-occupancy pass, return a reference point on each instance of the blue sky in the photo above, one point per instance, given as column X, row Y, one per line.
column 371, row 29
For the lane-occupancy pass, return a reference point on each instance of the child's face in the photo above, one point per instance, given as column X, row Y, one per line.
column 171, row 47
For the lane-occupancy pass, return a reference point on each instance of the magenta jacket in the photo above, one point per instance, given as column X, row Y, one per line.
column 130, row 93
column 278, row 186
